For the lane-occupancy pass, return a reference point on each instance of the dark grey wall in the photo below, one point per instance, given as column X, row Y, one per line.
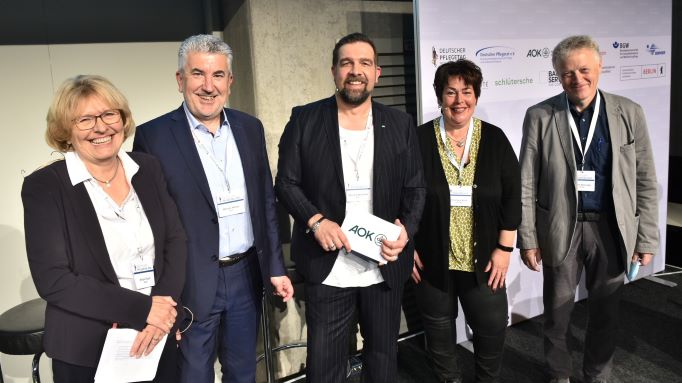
column 25, row 22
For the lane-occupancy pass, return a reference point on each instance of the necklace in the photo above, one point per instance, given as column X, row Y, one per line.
column 107, row 183
column 458, row 143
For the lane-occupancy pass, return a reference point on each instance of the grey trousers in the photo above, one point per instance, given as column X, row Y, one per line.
column 595, row 248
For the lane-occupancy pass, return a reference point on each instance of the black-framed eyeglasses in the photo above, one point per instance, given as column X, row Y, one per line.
column 108, row 117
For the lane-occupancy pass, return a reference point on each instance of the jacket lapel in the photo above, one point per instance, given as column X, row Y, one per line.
column 379, row 126
column 245, row 154
column 613, row 112
column 188, row 150
column 92, row 231
column 330, row 117
column 564, row 132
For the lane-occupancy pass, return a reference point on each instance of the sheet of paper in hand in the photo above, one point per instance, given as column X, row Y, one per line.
column 365, row 232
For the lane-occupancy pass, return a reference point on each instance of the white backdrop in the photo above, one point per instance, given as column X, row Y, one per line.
column 512, row 42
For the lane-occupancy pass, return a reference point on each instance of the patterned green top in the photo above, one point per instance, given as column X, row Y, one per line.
column 461, row 218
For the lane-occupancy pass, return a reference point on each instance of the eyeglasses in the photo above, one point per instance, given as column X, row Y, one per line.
column 108, row 117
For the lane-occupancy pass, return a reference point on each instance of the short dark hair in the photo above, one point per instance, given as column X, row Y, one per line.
column 467, row 70
column 355, row 37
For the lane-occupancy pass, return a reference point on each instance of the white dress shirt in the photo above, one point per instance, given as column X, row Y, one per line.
column 223, row 168
column 125, row 228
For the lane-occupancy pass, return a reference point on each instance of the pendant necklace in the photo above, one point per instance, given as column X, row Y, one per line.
column 107, row 183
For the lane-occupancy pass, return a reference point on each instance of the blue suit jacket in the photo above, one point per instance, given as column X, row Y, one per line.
column 168, row 137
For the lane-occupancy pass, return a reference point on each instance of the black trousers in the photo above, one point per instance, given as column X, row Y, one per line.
column 594, row 249
column 167, row 372
column 329, row 317
column 486, row 313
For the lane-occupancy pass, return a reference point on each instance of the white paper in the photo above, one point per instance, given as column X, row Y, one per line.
column 365, row 233
column 117, row 366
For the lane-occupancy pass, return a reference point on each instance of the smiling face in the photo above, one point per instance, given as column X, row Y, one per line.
column 355, row 73
column 99, row 145
column 579, row 76
column 205, row 85
column 458, row 103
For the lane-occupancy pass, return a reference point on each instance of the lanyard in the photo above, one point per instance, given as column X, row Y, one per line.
column 590, row 132
column 212, row 158
column 450, row 154
column 361, row 149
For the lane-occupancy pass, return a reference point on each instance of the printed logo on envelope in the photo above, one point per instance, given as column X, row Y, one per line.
column 366, row 234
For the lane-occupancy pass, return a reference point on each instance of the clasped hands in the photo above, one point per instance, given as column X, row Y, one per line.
column 331, row 238
column 160, row 321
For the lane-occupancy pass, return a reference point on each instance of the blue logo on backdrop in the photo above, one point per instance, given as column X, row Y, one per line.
column 495, row 54
column 654, row 50
column 617, row 45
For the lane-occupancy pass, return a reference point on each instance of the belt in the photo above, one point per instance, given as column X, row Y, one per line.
column 234, row 259
column 588, row 216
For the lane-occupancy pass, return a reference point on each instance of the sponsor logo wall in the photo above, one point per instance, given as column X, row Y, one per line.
column 512, row 42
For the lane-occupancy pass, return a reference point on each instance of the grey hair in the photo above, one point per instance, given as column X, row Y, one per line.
column 203, row 44
column 569, row 44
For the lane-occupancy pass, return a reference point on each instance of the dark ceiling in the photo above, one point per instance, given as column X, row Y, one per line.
column 25, row 22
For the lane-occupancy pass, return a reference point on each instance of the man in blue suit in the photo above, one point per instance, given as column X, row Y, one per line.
column 217, row 169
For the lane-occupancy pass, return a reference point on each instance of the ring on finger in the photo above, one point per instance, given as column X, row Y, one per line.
column 332, row 247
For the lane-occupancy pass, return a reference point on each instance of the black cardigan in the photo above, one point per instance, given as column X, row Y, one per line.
column 496, row 202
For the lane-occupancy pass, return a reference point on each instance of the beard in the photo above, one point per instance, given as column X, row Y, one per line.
column 354, row 97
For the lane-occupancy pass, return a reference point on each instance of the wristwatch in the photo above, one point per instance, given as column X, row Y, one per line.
column 316, row 225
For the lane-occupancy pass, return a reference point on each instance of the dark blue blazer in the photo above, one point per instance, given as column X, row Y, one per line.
column 168, row 137
column 71, row 267
column 310, row 181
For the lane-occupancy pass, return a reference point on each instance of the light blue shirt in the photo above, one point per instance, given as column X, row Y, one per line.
column 223, row 168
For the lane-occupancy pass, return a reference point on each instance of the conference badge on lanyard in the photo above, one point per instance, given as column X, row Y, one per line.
column 143, row 274
column 231, row 204
column 460, row 196
column 586, row 180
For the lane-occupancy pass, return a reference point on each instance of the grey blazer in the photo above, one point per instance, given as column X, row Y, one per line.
column 548, row 179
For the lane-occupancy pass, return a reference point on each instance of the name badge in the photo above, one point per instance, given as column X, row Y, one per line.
column 231, row 204
column 586, row 180
column 460, row 196
column 358, row 192
column 143, row 275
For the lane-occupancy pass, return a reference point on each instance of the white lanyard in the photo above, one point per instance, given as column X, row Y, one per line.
column 590, row 132
column 467, row 147
column 213, row 159
column 361, row 149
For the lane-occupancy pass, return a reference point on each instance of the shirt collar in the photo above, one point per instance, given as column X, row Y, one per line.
column 589, row 110
column 196, row 124
column 79, row 173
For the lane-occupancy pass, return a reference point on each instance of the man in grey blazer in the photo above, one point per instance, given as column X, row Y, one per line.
column 589, row 201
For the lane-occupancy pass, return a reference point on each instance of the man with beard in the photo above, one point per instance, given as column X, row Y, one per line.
column 345, row 153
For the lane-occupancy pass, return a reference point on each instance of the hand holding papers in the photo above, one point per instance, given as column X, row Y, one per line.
column 365, row 232
column 117, row 366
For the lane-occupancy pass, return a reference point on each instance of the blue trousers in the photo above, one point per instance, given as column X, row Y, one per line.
column 230, row 330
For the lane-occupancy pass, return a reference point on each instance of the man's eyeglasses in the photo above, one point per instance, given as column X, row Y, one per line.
column 108, row 117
